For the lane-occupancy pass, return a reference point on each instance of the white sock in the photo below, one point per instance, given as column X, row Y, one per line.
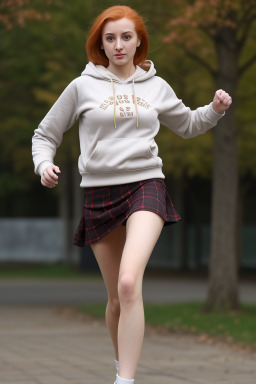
column 120, row 380
column 117, row 364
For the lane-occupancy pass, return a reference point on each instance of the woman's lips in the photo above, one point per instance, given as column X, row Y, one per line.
column 119, row 56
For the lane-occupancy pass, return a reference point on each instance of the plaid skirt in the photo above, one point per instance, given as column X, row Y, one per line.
column 107, row 207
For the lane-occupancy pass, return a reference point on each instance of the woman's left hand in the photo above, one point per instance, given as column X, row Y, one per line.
column 221, row 101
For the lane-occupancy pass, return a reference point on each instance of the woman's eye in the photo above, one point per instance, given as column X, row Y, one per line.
column 127, row 37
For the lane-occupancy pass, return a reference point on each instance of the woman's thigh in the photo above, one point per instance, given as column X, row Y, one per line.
column 143, row 229
column 108, row 253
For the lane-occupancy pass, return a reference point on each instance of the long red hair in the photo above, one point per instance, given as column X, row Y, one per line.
column 94, row 40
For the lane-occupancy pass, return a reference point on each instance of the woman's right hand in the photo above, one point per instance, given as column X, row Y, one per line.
column 49, row 178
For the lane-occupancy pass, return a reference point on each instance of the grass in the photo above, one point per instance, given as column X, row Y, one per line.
column 45, row 271
column 238, row 326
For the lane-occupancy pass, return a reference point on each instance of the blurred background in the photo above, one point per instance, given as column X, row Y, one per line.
column 43, row 49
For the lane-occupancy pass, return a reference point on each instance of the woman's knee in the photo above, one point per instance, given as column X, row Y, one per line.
column 129, row 287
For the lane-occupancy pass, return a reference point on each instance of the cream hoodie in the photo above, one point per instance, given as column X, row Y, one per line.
column 118, row 121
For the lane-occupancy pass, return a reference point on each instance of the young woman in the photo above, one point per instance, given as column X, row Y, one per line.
column 120, row 103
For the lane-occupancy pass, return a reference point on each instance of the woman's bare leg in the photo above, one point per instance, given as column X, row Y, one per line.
column 108, row 253
column 142, row 232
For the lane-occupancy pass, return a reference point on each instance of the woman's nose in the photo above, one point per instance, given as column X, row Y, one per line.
column 119, row 44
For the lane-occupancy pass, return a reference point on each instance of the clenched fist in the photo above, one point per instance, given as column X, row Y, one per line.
column 49, row 177
column 221, row 101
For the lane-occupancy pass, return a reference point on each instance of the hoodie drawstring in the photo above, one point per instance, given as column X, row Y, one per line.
column 114, row 97
column 135, row 101
column 137, row 114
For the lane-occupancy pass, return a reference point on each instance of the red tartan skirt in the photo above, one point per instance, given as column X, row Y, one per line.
column 107, row 207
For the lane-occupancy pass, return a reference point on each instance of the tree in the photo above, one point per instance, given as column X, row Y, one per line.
column 218, row 31
column 15, row 12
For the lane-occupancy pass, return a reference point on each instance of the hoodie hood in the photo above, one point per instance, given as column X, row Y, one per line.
column 143, row 72
column 101, row 72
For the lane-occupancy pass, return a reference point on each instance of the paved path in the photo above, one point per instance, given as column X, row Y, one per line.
column 80, row 291
column 49, row 345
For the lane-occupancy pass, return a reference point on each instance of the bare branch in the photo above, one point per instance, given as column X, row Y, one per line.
column 247, row 27
column 248, row 12
column 201, row 61
column 207, row 30
column 247, row 65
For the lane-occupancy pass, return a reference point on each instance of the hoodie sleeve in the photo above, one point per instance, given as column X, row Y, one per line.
column 48, row 136
column 180, row 119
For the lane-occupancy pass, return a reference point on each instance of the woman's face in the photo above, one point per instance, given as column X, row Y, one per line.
column 120, row 41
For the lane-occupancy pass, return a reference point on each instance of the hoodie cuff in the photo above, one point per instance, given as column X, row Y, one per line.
column 42, row 166
column 215, row 114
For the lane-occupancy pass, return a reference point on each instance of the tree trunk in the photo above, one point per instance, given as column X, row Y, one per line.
column 183, row 232
column 223, row 270
column 66, row 209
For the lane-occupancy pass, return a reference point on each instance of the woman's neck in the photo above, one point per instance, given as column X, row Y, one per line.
column 122, row 72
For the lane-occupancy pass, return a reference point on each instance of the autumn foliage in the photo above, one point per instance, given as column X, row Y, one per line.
column 211, row 17
column 14, row 12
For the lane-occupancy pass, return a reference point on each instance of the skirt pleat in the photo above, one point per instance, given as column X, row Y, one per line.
column 107, row 207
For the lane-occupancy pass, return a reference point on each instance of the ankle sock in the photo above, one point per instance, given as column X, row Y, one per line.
column 120, row 380
column 117, row 364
